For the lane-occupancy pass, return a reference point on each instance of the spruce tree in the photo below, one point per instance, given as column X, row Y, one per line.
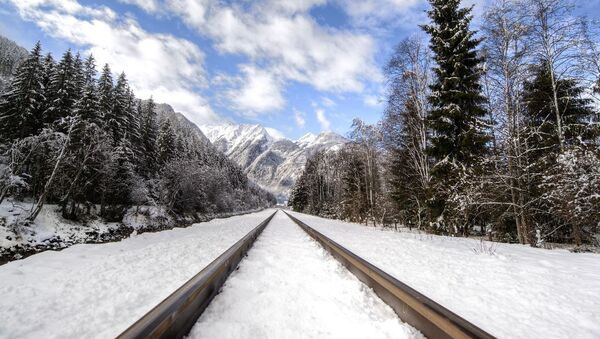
column 458, row 134
column 576, row 113
column 21, row 106
column 63, row 89
column 119, row 116
column 166, row 143
column 150, row 136
column 49, row 66
column 105, row 96
column 88, row 106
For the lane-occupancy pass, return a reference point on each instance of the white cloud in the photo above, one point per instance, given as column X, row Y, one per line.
column 149, row 6
column 167, row 67
column 371, row 100
column 256, row 92
column 323, row 121
column 284, row 36
column 276, row 134
column 328, row 102
column 299, row 118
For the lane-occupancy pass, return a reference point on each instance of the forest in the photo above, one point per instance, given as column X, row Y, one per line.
column 492, row 132
column 82, row 140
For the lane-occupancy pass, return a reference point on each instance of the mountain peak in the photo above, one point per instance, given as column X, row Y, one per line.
column 272, row 161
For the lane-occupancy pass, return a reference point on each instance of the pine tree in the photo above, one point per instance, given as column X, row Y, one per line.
column 49, row 66
column 166, row 143
column 105, row 96
column 88, row 106
column 150, row 137
column 123, row 175
column 119, row 116
column 78, row 75
column 458, row 136
column 63, row 90
column 577, row 117
column 21, row 106
column 133, row 127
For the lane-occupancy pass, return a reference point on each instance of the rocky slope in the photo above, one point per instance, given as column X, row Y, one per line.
column 273, row 163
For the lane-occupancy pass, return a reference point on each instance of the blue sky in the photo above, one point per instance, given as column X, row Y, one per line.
column 296, row 66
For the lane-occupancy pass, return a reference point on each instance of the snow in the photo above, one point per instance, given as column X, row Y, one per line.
column 97, row 291
column 48, row 227
column 509, row 290
column 272, row 162
column 289, row 287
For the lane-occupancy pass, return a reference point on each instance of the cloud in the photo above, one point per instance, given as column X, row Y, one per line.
column 328, row 102
column 149, row 6
column 256, row 92
column 299, row 118
column 275, row 133
column 371, row 100
column 169, row 68
column 323, row 121
column 292, row 45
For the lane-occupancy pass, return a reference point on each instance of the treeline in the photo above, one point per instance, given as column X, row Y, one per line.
column 493, row 132
column 84, row 142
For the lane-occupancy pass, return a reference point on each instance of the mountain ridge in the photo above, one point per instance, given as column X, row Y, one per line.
column 273, row 163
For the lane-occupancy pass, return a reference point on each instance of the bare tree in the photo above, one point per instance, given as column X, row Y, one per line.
column 557, row 39
column 66, row 140
column 406, row 135
column 506, row 30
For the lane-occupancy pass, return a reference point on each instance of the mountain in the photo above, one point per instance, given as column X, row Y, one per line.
column 11, row 55
column 273, row 163
column 187, row 128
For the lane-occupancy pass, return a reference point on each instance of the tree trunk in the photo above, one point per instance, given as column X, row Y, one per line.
column 42, row 199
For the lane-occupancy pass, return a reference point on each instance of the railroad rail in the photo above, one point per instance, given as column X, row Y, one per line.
column 414, row 308
column 175, row 316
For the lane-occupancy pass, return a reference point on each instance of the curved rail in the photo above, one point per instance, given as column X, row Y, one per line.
column 429, row 317
column 175, row 316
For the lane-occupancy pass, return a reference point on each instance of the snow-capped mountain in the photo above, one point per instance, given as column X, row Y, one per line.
column 274, row 163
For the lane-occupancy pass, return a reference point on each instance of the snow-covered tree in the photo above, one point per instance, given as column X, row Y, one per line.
column 21, row 105
column 458, row 131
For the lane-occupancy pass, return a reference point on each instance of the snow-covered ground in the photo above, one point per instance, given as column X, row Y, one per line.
column 289, row 287
column 49, row 230
column 511, row 291
column 98, row 290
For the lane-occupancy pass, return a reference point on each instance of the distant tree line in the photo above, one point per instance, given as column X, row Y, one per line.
column 493, row 132
column 84, row 142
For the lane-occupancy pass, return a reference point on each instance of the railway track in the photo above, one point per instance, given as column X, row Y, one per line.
column 177, row 314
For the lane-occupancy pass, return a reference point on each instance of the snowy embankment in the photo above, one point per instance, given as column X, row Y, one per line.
column 511, row 291
column 52, row 232
column 98, row 290
column 290, row 287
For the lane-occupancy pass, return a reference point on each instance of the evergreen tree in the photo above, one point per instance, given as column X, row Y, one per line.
column 21, row 106
column 49, row 66
column 88, row 106
column 63, row 89
column 458, row 136
column 577, row 116
column 299, row 195
column 118, row 118
column 150, row 136
column 123, row 174
column 79, row 75
column 166, row 143
column 105, row 96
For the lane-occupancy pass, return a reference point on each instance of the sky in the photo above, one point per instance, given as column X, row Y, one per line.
column 292, row 66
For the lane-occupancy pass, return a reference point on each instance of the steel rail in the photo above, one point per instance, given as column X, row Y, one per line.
column 414, row 308
column 175, row 316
